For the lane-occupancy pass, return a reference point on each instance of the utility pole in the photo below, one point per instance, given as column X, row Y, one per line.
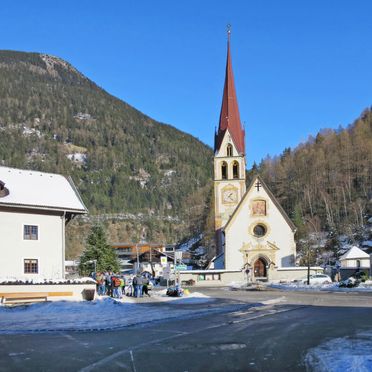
column 137, row 258
column 308, row 249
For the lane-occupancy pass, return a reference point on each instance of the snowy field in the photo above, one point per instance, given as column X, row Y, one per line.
column 352, row 354
column 103, row 313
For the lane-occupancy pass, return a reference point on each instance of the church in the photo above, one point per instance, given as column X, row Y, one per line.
column 253, row 232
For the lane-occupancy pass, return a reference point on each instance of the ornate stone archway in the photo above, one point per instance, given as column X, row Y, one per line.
column 259, row 259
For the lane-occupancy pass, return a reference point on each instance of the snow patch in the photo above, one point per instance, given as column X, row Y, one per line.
column 353, row 354
column 103, row 313
column 77, row 157
column 363, row 287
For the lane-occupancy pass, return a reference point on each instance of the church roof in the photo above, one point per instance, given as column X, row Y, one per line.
column 229, row 116
column 39, row 190
column 273, row 199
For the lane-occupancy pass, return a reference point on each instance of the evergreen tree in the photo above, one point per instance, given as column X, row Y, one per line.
column 98, row 249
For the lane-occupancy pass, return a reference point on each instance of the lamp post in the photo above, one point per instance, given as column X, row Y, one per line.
column 95, row 264
column 137, row 270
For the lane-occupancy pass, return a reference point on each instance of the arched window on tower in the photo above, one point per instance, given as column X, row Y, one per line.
column 224, row 170
column 235, row 169
column 229, row 150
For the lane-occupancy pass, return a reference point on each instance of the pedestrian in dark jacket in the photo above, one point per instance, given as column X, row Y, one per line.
column 146, row 283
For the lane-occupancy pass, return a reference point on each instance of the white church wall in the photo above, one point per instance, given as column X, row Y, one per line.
column 48, row 249
column 239, row 232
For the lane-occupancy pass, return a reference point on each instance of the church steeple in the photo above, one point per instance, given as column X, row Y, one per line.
column 229, row 157
column 229, row 116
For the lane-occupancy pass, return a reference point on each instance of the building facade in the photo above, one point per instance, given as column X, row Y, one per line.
column 35, row 208
column 253, row 232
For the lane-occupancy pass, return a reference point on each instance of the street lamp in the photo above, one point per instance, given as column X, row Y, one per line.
column 93, row 262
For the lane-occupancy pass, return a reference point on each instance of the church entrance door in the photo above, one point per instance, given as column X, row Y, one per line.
column 260, row 268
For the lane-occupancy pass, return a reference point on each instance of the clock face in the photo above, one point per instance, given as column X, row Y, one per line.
column 230, row 196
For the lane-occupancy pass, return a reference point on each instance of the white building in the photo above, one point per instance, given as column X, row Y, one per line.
column 35, row 207
column 354, row 260
column 259, row 235
column 254, row 234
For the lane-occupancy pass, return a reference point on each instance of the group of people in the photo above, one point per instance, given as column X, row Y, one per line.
column 117, row 286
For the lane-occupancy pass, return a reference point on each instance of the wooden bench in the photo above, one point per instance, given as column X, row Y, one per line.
column 29, row 297
column 22, row 297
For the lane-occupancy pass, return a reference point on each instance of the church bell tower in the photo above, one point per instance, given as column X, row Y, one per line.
column 229, row 155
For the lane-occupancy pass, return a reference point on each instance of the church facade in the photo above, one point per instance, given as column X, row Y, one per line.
column 253, row 233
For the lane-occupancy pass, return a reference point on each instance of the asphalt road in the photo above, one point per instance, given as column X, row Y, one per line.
column 274, row 336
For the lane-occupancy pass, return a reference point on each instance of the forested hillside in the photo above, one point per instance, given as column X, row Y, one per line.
column 327, row 180
column 52, row 118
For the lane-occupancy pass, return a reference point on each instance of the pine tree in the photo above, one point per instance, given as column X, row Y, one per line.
column 98, row 249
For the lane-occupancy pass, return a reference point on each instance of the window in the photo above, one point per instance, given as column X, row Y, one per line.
column 358, row 264
column 224, row 171
column 229, row 150
column 31, row 266
column 235, row 169
column 259, row 230
column 30, row 232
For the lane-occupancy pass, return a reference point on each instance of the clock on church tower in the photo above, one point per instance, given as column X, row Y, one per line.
column 230, row 195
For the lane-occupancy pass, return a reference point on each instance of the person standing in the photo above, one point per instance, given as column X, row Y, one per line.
column 101, row 284
column 145, row 287
column 140, row 286
column 135, row 285
column 121, row 287
column 109, row 283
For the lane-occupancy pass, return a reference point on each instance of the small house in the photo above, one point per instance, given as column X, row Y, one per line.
column 353, row 261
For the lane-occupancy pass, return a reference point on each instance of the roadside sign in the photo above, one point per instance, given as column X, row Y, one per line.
column 163, row 261
column 181, row 267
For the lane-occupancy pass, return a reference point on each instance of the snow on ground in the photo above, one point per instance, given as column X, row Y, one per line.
column 103, row 313
column 352, row 354
column 297, row 286
column 189, row 243
column 363, row 287
column 195, row 297
column 27, row 280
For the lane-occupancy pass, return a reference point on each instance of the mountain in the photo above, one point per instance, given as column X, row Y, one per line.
column 142, row 178
column 325, row 184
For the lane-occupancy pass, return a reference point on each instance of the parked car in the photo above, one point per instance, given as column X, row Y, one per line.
column 318, row 279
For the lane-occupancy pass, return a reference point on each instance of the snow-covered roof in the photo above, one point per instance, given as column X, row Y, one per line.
column 39, row 190
column 354, row 253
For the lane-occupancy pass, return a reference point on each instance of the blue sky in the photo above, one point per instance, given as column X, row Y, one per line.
column 299, row 65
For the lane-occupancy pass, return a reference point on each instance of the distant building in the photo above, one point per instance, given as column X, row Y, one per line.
column 71, row 269
column 151, row 257
column 35, row 208
column 127, row 253
column 353, row 261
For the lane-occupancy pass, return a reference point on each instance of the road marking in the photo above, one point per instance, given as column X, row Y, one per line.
column 113, row 356
column 274, row 300
column 132, row 360
column 271, row 312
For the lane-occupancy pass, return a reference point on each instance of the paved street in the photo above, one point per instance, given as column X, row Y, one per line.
column 274, row 336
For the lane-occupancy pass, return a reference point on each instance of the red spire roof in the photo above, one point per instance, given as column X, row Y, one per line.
column 229, row 117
